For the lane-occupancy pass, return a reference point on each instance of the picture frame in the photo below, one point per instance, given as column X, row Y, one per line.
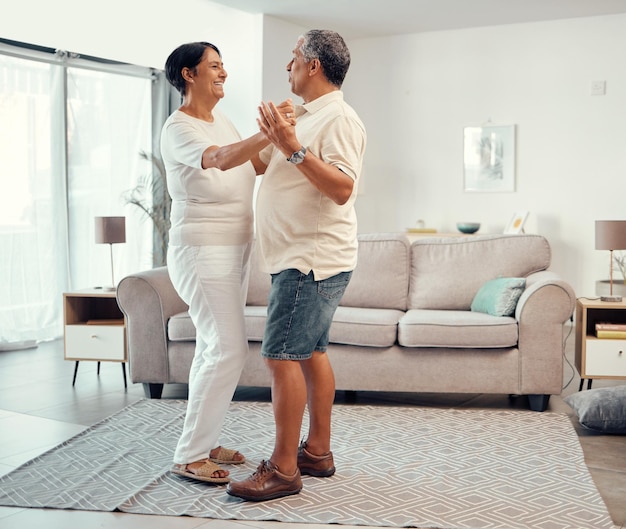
column 516, row 224
column 489, row 158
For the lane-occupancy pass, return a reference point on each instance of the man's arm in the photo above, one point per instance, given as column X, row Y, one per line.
column 328, row 179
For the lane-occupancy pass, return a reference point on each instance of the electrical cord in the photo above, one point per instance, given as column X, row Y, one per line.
column 565, row 357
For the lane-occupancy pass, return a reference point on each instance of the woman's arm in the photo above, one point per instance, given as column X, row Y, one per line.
column 235, row 154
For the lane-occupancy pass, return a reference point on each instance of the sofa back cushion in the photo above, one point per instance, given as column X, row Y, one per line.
column 446, row 273
column 381, row 277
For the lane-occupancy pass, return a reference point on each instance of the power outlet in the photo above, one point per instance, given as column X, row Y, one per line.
column 598, row 88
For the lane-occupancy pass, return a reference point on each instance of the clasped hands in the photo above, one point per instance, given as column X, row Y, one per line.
column 277, row 123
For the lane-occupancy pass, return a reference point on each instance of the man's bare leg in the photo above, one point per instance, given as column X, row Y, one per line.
column 288, row 402
column 320, row 384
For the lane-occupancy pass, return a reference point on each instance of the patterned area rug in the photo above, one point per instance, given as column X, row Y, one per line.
column 396, row 467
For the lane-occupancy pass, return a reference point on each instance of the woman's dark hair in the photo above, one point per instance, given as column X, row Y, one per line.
column 185, row 56
column 331, row 50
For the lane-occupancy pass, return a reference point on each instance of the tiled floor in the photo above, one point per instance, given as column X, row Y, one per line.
column 39, row 408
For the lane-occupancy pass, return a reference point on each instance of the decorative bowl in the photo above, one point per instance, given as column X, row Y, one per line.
column 468, row 227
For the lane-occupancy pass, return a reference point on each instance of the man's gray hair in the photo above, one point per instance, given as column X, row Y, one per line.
column 330, row 49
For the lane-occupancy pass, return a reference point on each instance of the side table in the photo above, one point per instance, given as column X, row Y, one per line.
column 94, row 328
column 599, row 357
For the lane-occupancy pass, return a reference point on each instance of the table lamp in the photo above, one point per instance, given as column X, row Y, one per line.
column 110, row 230
column 611, row 235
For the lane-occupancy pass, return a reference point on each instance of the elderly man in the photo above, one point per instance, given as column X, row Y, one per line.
column 307, row 238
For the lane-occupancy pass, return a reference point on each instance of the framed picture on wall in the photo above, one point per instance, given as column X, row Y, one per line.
column 489, row 158
column 516, row 224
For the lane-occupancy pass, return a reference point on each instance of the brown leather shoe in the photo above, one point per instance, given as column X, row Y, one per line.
column 267, row 483
column 319, row 466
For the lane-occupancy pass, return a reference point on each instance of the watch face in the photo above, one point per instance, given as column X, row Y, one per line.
column 298, row 156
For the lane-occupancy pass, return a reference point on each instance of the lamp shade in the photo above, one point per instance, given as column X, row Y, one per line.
column 110, row 230
column 610, row 234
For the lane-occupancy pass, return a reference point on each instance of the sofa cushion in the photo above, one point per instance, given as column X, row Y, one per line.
column 365, row 327
column 454, row 328
column 499, row 297
column 255, row 322
column 351, row 326
column 446, row 273
column 381, row 277
column 180, row 328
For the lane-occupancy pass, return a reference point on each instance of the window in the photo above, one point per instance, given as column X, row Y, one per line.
column 108, row 125
column 71, row 133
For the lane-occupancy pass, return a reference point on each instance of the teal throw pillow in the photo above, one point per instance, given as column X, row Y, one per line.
column 499, row 297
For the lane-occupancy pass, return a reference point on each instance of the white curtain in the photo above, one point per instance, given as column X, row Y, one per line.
column 70, row 143
column 109, row 124
column 32, row 263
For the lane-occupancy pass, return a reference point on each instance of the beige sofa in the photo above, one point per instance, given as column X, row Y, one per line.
column 404, row 323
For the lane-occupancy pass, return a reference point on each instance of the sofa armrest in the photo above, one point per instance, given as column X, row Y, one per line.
column 544, row 307
column 148, row 299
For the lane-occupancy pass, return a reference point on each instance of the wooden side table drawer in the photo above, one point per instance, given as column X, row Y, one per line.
column 95, row 342
column 605, row 356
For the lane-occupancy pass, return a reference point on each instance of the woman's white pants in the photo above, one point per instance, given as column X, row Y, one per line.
column 213, row 281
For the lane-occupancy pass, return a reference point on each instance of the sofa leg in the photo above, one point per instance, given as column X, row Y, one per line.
column 153, row 391
column 350, row 396
column 538, row 402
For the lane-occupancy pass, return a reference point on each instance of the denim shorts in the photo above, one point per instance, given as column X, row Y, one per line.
column 300, row 311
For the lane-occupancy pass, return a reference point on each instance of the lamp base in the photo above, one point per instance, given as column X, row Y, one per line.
column 611, row 298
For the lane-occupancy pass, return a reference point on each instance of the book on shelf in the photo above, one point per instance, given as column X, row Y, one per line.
column 610, row 326
column 611, row 334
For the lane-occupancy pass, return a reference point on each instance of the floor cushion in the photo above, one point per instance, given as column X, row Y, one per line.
column 602, row 409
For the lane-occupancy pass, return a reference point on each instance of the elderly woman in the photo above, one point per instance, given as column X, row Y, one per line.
column 210, row 177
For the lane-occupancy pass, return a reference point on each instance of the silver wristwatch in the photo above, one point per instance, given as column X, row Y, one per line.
column 298, row 156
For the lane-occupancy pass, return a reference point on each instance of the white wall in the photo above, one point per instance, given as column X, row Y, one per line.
column 279, row 40
column 417, row 92
column 144, row 32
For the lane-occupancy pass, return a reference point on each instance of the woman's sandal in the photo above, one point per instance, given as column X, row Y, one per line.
column 203, row 473
column 226, row 456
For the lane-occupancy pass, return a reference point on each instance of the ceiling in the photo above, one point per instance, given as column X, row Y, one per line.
column 377, row 18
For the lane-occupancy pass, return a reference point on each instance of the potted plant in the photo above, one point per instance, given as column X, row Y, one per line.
column 151, row 196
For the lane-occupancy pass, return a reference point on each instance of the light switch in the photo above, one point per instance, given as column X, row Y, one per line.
column 598, row 88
